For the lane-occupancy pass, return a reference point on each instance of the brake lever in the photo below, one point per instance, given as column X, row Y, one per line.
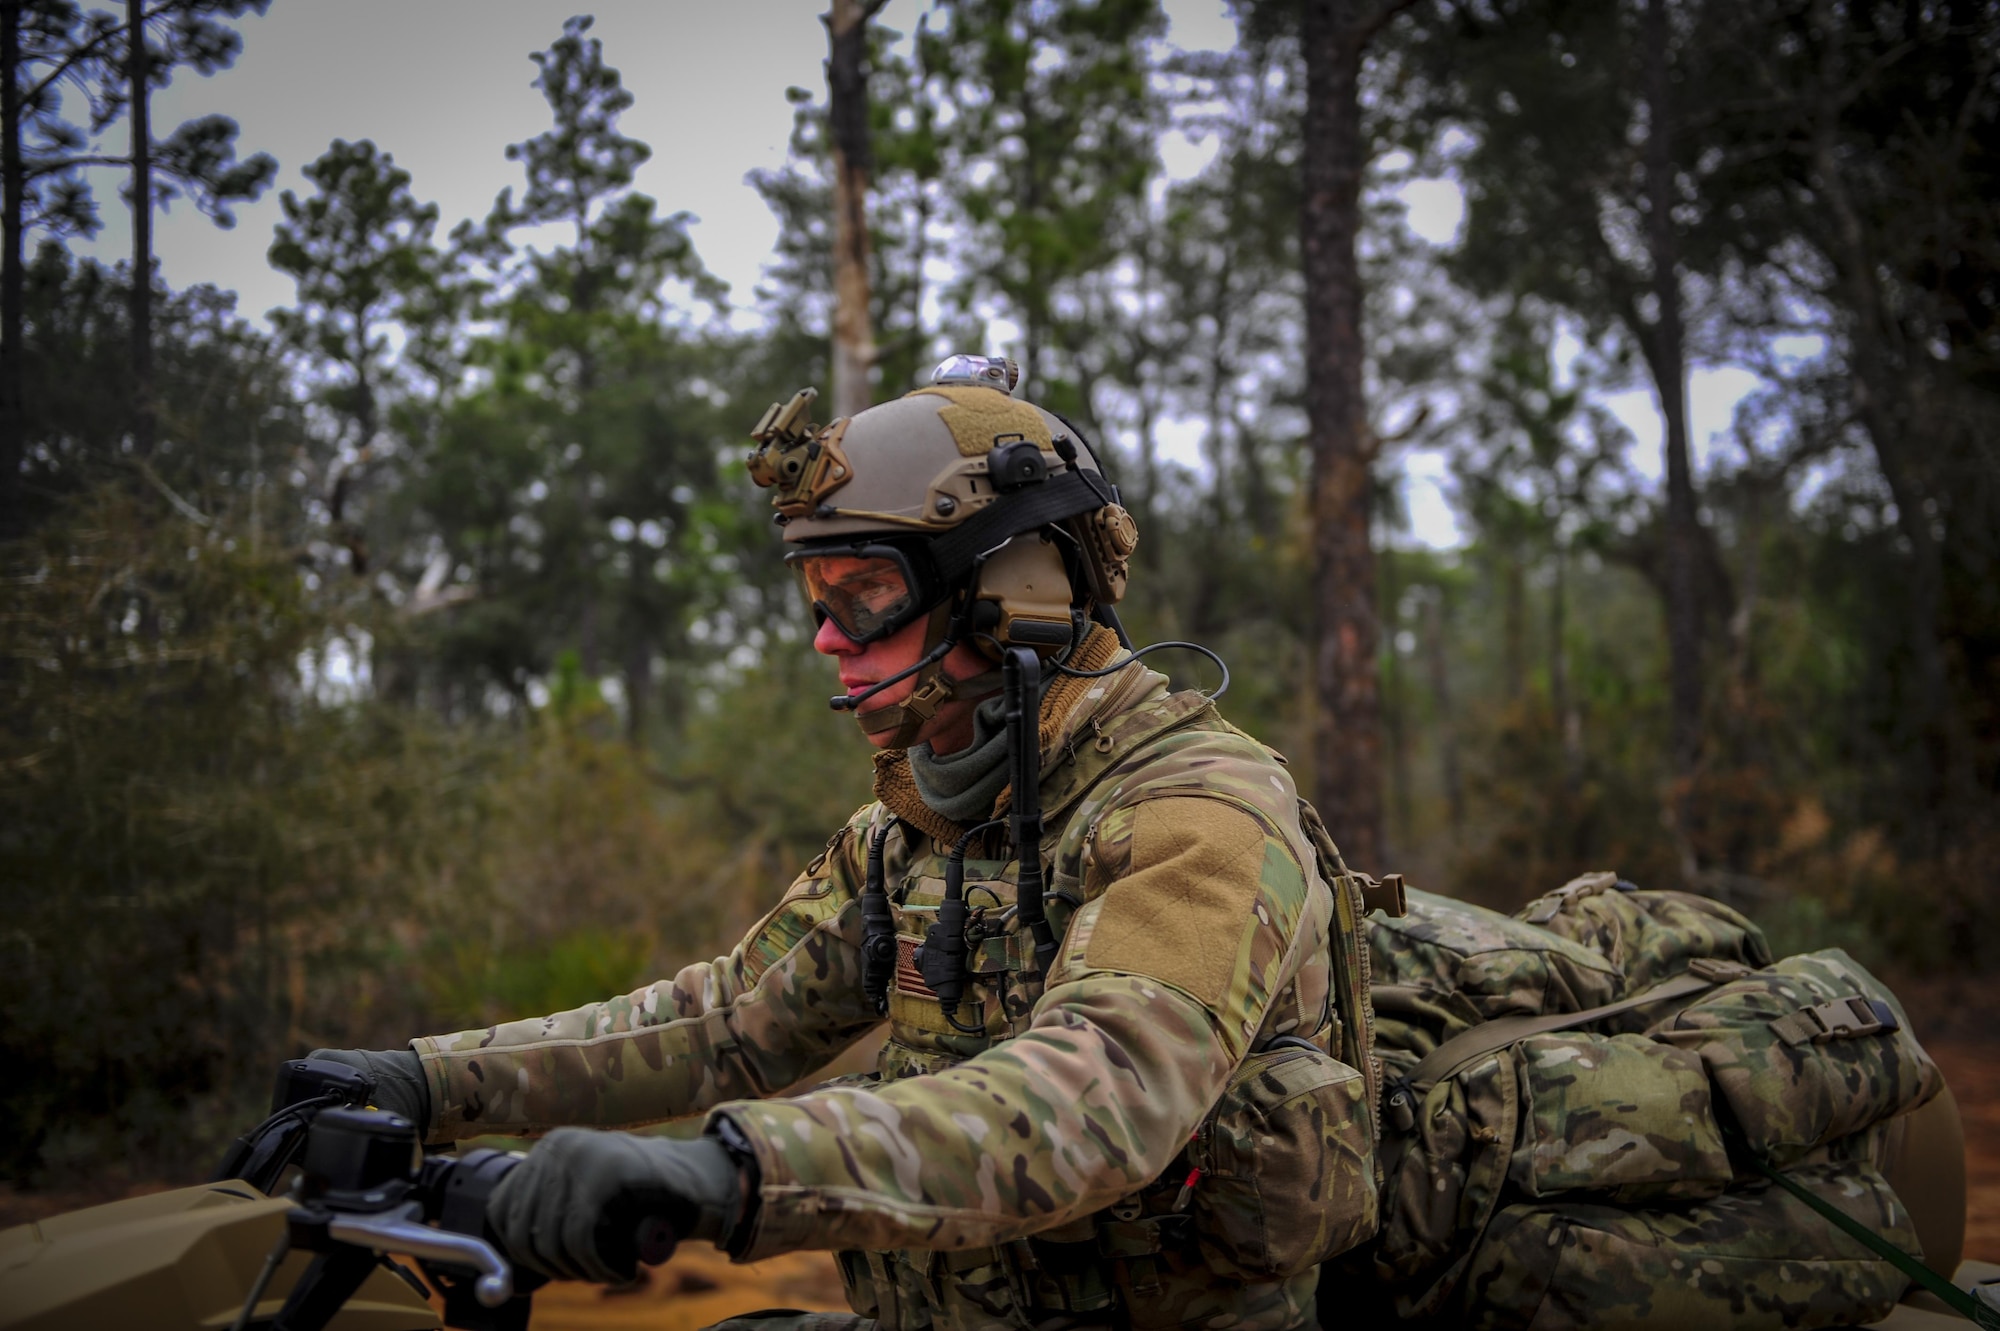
column 402, row 1231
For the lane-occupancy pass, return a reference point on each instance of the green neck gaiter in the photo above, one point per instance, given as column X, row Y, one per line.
column 962, row 786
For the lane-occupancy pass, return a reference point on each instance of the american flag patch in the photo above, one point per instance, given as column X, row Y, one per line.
column 909, row 979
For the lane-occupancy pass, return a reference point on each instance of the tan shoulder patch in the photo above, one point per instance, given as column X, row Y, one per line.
column 977, row 416
column 1180, row 914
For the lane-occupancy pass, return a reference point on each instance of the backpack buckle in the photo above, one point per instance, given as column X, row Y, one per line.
column 1845, row 1018
column 1842, row 1019
column 1387, row 894
column 1717, row 970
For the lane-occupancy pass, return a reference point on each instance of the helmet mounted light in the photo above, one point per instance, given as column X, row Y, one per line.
column 977, row 372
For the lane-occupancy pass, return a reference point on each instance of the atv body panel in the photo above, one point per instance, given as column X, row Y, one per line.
column 176, row 1261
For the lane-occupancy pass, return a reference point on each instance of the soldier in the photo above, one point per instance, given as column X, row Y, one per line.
column 1162, row 1120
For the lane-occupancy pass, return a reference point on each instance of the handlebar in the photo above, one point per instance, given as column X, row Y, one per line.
column 366, row 1190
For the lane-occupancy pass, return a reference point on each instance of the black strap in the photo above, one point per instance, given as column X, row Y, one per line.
column 1054, row 500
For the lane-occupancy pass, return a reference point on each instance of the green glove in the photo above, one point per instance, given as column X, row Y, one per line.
column 573, row 1208
column 400, row 1087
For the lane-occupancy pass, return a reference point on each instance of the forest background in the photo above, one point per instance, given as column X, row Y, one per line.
column 422, row 657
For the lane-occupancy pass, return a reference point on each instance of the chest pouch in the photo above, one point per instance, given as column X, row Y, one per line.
column 1280, row 1175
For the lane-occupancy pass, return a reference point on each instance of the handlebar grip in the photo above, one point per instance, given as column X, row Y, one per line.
column 654, row 1240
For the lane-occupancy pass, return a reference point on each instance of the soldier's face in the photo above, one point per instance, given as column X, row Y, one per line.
column 862, row 667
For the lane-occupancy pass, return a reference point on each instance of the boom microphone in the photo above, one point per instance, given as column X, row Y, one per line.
column 847, row 702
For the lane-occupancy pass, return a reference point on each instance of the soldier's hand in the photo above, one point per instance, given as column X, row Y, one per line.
column 572, row 1210
column 399, row 1080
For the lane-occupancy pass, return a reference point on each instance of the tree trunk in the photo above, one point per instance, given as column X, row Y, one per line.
column 1562, row 700
column 1034, row 308
column 142, row 235
column 853, row 163
column 588, row 658
column 1259, row 506
column 1883, row 403
column 917, row 262
column 1435, row 619
column 1149, row 471
column 366, row 412
column 1396, row 719
column 1211, row 565
column 1743, row 623
column 1145, row 503
column 1513, row 621
column 638, row 663
column 1347, row 747
column 12, row 278
column 1666, row 357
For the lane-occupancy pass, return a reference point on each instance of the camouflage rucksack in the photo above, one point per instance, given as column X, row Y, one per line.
column 1541, row 1170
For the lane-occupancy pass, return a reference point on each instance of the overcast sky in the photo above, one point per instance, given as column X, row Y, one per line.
column 445, row 85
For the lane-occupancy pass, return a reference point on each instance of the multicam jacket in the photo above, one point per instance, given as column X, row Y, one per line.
column 1062, row 1162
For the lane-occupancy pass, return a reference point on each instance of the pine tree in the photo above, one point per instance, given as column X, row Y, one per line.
column 595, row 434
column 198, row 158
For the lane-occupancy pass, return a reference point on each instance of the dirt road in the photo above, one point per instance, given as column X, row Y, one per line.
column 696, row 1288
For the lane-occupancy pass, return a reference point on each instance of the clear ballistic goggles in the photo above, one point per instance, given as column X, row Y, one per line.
column 868, row 591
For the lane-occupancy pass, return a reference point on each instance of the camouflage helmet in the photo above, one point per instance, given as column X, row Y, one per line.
column 989, row 512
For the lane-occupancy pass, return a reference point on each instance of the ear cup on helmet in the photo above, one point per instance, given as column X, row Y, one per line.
column 1024, row 591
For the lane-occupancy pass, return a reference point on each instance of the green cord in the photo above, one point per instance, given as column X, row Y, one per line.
column 1965, row 1305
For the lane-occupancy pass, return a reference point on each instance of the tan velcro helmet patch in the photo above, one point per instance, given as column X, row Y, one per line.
column 979, row 416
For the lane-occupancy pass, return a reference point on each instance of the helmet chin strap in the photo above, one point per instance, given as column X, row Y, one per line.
column 932, row 690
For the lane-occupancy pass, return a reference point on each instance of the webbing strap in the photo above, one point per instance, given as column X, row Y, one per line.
column 1977, row 1311
column 924, row 700
column 1054, row 500
column 1490, row 1037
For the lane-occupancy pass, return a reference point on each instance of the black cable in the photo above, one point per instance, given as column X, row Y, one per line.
column 954, row 866
column 1021, row 673
column 847, row 702
column 941, row 960
column 243, row 1153
column 272, row 1261
column 1220, row 664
